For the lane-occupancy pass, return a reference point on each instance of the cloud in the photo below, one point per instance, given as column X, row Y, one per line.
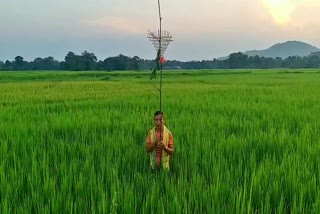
column 117, row 25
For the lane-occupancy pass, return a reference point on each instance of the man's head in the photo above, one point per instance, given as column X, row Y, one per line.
column 159, row 119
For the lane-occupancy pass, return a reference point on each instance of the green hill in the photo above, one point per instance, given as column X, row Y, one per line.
column 286, row 49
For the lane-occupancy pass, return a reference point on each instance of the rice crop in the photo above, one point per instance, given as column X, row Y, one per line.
column 246, row 141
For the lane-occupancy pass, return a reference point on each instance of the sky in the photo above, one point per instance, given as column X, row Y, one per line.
column 201, row 30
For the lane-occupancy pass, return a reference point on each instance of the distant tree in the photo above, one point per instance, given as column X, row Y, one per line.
column 20, row 64
column 134, row 63
column 8, row 66
column 293, row 62
column 88, row 61
column 99, row 65
column 37, row 64
column 278, row 62
column 72, row 62
column 145, row 64
column 256, row 61
column 116, row 63
column 312, row 61
column 238, row 60
column 48, row 63
column 121, row 62
column 109, row 64
column 51, row 64
column 85, row 61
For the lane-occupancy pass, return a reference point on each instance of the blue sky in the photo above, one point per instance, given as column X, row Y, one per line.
column 203, row 29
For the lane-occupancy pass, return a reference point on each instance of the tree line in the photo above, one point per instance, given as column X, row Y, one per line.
column 88, row 61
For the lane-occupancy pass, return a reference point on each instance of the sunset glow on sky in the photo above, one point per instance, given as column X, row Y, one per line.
column 203, row 29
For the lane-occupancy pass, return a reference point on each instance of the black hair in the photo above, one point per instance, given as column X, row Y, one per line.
column 158, row 113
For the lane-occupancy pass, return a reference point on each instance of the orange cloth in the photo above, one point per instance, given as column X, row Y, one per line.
column 159, row 150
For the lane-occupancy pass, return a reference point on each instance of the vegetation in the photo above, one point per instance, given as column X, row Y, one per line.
column 246, row 141
column 88, row 61
column 285, row 49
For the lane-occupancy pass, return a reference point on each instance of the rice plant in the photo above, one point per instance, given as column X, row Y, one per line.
column 245, row 142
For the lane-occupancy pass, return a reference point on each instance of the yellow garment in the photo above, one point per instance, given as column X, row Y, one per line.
column 165, row 157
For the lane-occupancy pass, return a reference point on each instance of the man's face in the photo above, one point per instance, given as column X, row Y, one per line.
column 159, row 120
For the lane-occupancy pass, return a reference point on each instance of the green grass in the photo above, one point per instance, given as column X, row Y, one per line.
column 246, row 141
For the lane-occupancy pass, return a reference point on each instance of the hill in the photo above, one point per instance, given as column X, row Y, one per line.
column 286, row 49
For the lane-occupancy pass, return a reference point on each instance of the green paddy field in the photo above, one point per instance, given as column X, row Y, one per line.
column 246, row 141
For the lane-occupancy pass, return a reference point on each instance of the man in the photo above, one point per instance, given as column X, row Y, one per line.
column 159, row 143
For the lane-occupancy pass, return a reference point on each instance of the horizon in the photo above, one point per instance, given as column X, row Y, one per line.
column 218, row 58
column 42, row 29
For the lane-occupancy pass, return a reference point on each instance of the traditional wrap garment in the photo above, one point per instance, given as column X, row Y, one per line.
column 165, row 158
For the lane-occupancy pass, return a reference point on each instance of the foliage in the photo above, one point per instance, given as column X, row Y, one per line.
column 245, row 142
column 88, row 61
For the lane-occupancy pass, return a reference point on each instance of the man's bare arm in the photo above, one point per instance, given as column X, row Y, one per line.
column 169, row 150
column 150, row 146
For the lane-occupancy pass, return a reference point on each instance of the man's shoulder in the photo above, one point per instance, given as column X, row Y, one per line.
column 151, row 130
